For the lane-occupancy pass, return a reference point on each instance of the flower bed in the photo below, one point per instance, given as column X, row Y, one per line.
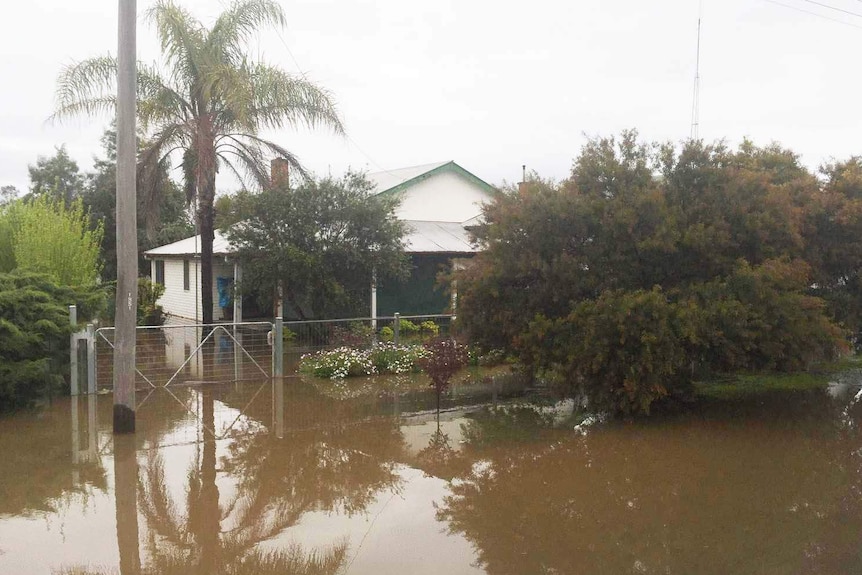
column 384, row 358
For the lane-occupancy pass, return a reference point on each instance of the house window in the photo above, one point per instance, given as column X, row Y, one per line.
column 160, row 272
column 186, row 275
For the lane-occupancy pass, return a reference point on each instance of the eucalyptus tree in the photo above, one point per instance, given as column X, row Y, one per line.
column 206, row 104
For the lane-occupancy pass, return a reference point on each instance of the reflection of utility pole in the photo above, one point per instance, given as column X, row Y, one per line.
column 278, row 406
column 127, row 233
column 126, row 496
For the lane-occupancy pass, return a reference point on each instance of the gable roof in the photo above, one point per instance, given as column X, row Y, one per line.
column 192, row 247
column 395, row 181
column 420, row 237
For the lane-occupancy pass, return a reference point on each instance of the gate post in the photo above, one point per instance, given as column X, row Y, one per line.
column 73, row 351
column 278, row 348
column 91, row 358
column 396, row 328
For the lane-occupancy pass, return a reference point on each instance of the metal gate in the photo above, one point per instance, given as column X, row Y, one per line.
column 193, row 353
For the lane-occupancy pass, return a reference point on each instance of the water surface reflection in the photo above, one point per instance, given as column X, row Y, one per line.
column 323, row 477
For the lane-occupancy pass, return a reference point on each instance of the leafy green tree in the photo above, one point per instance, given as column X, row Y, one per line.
column 8, row 194
column 51, row 239
column 834, row 246
column 210, row 101
column 321, row 242
column 649, row 260
column 56, row 177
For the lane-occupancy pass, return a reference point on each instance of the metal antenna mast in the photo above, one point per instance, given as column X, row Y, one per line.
column 695, row 104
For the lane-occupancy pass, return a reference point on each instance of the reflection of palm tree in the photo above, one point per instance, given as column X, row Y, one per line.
column 196, row 543
column 327, row 464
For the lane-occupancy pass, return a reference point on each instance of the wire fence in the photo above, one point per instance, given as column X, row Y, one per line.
column 175, row 354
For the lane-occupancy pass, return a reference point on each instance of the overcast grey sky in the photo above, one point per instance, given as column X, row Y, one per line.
column 489, row 84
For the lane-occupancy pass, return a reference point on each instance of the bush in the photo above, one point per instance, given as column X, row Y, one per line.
column 34, row 334
column 150, row 312
column 395, row 359
column 429, row 328
column 443, row 358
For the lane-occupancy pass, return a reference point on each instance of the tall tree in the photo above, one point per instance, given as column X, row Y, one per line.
column 56, row 177
column 8, row 194
column 321, row 242
column 208, row 102
column 648, row 258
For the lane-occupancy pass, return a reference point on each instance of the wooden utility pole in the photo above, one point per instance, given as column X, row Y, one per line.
column 127, row 233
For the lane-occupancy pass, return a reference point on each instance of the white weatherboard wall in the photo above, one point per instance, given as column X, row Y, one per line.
column 444, row 197
column 186, row 304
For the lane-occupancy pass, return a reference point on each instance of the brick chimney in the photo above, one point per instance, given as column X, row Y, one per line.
column 279, row 172
column 522, row 185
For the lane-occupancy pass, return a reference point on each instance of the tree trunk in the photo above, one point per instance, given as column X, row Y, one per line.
column 206, row 220
column 209, row 517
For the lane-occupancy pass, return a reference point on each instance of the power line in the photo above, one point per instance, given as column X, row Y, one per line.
column 788, row 6
column 833, row 8
column 346, row 135
column 695, row 105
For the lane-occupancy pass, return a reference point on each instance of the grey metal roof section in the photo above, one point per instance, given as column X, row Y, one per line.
column 437, row 237
column 191, row 247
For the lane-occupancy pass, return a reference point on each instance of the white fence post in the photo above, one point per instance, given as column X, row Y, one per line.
column 91, row 358
column 73, row 351
column 278, row 348
column 396, row 328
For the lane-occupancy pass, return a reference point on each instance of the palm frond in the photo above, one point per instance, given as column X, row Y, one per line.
column 86, row 87
column 277, row 151
column 249, row 158
column 280, row 98
column 158, row 101
column 182, row 38
column 231, row 31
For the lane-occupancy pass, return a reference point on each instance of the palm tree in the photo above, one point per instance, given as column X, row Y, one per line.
column 208, row 105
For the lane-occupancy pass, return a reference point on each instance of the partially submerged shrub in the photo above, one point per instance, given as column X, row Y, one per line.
column 337, row 363
column 385, row 358
column 395, row 359
column 443, row 358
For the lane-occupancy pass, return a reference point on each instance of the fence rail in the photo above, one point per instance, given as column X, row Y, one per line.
column 173, row 354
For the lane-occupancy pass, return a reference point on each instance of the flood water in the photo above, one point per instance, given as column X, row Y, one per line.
column 361, row 478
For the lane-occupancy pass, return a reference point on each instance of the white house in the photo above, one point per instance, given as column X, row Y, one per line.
column 438, row 202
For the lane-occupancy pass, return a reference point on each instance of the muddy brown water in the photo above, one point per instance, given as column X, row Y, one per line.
column 360, row 478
